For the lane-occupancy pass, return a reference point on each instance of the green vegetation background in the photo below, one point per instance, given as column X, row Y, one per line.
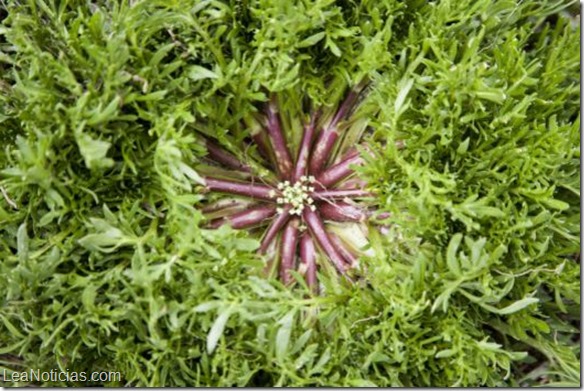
column 104, row 264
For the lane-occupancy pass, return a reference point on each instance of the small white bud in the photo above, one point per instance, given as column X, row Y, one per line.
column 302, row 268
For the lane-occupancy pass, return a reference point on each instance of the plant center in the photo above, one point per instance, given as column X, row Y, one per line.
column 296, row 195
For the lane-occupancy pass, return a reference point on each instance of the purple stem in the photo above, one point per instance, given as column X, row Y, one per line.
column 220, row 155
column 245, row 189
column 316, row 226
column 263, row 145
column 342, row 211
column 288, row 249
column 328, row 136
column 304, row 151
column 352, row 184
column 258, row 135
column 382, row 216
column 324, row 144
column 272, row 231
column 246, row 218
column 224, row 203
column 282, row 155
column 339, row 171
column 349, row 257
column 308, row 258
column 324, row 194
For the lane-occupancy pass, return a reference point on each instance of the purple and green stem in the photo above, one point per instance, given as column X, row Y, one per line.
column 308, row 259
column 288, row 249
column 339, row 193
column 221, row 156
column 275, row 226
column 339, row 171
column 304, row 150
column 251, row 217
column 347, row 255
column 318, row 230
column 244, row 189
column 281, row 152
column 328, row 136
column 342, row 212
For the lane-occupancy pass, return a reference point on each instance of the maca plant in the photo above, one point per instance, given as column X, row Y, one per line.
column 305, row 187
column 290, row 193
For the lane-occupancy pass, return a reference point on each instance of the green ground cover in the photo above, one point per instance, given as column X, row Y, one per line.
column 473, row 118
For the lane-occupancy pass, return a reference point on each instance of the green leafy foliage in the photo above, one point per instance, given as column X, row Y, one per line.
column 472, row 113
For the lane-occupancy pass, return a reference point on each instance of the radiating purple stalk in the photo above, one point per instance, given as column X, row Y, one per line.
column 332, row 194
column 247, row 218
column 339, row 171
column 349, row 257
column 288, row 249
column 342, row 212
column 328, row 136
column 308, row 259
column 282, row 155
column 323, row 146
column 352, row 184
column 382, row 216
column 263, row 146
column 316, row 226
column 222, row 156
column 275, row 226
column 346, row 106
column 304, row 151
column 259, row 136
column 245, row 189
column 225, row 203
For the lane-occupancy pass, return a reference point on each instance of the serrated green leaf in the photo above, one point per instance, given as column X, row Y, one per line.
column 307, row 357
column 406, row 86
column 88, row 296
column 246, row 244
column 489, row 345
column 106, row 114
column 283, row 334
column 94, row 152
column 556, row 204
column 197, row 72
column 445, row 353
column 451, row 257
column 216, row 330
column 463, row 147
column 11, row 328
column 322, row 361
column 312, row 40
column 518, row 306
column 207, row 306
column 22, row 242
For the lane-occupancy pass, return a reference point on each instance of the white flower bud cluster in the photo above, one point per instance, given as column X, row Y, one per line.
column 296, row 195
